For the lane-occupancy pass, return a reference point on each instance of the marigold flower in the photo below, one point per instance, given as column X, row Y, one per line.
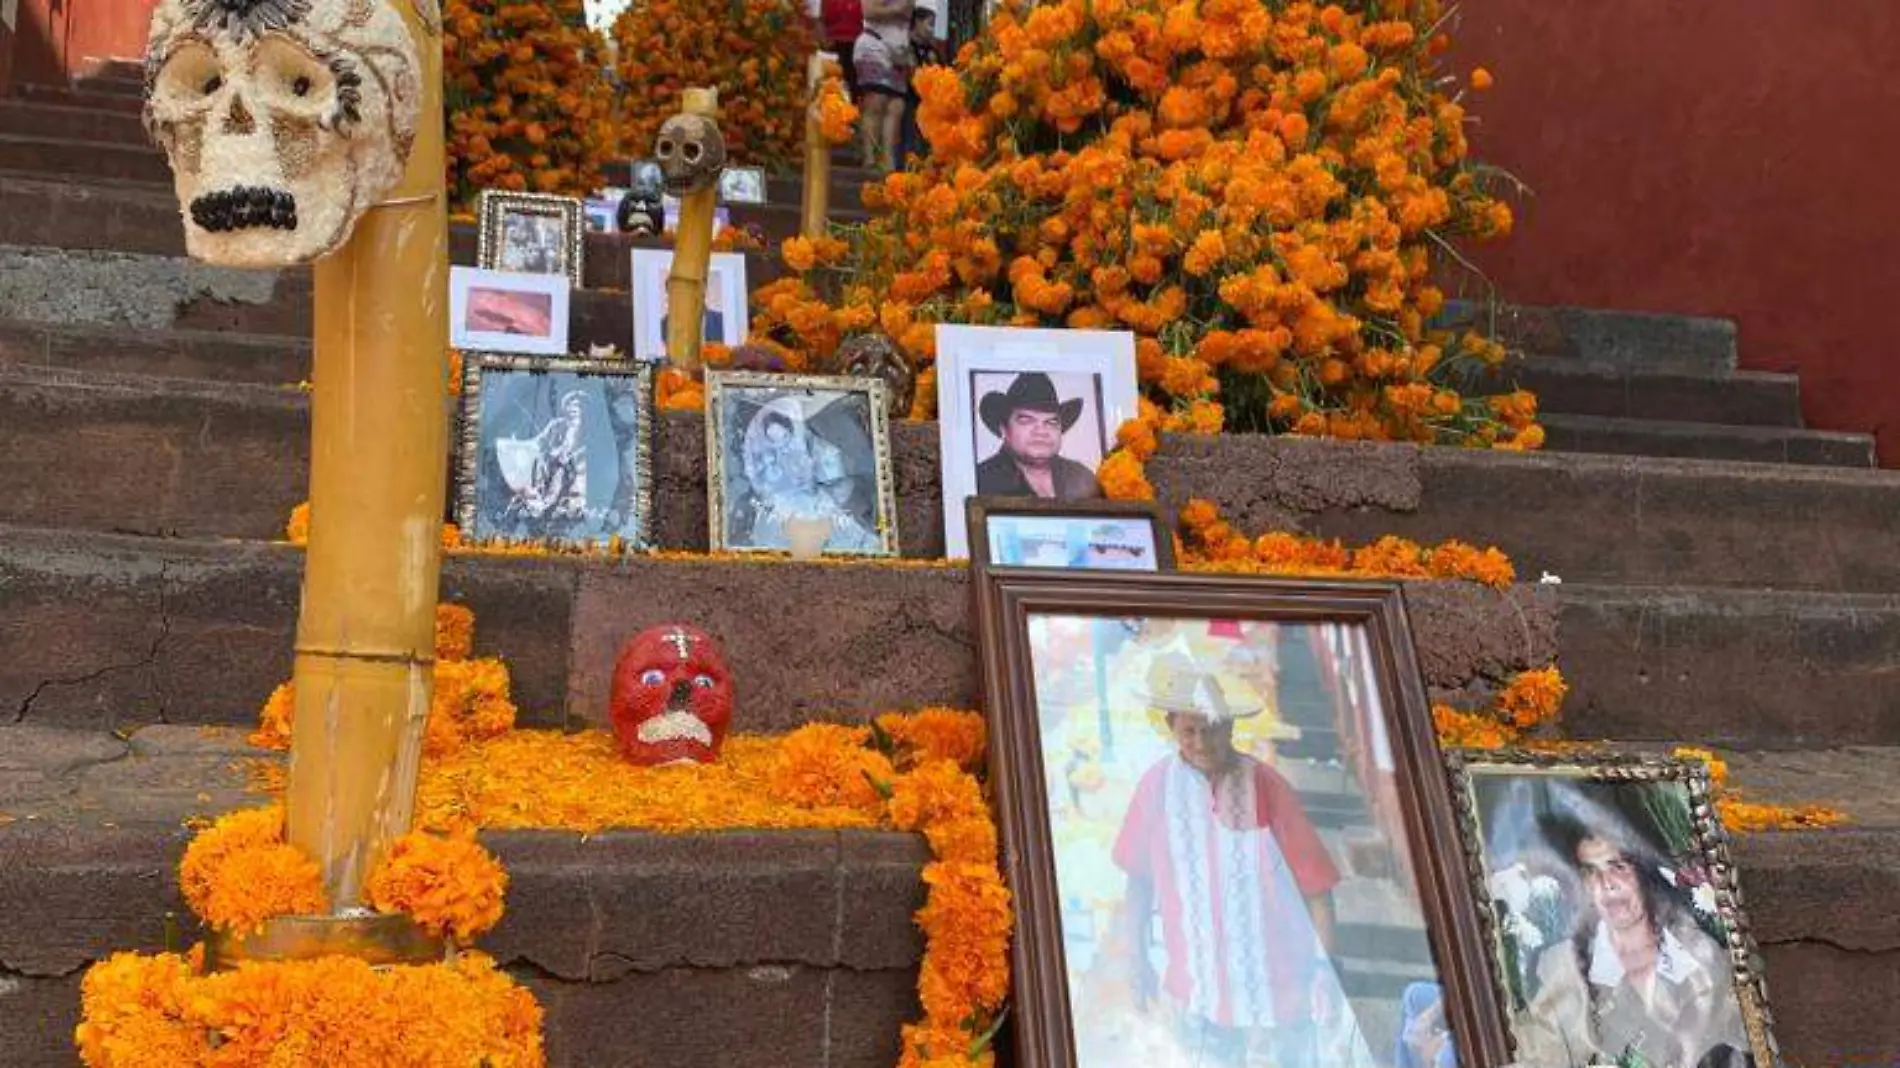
column 1481, row 79
column 448, row 884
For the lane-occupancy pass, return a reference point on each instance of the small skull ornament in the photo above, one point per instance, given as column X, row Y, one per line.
column 691, row 152
column 284, row 120
column 671, row 700
column 643, row 209
column 874, row 356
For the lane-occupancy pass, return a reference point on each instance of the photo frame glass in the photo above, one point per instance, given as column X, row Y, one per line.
column 742, row 185
column 501, row 311
column 1615, row 928
column 557, row 452
column 531, row 233
column 1235, row 879
column 795, row 457
column 726, row 313
column 1097, row 536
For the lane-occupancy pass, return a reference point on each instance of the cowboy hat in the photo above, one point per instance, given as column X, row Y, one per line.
column 1177, row 685
column 1031, row 390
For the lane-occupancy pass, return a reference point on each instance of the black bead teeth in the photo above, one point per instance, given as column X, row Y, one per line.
column 245, row 207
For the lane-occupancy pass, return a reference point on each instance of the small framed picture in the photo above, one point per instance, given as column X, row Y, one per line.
column 499, row 311
column 726, row 312
column 556, row 451
column 601, row 215
column 1027, row 413
column 1613, row 911
column 742, row 185
column 1088, row 535
column 1225, row 824
column 791, row 459
column 530, row 233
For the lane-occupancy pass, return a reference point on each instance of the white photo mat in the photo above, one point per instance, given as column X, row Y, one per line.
column 964, row 351
column 539, row 303
column 650, row 268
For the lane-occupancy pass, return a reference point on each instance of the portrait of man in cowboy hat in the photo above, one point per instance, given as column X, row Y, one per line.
column 1029, row 419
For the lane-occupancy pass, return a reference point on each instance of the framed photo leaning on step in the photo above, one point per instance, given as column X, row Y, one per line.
column 1098, row 535
column 532, row 233
column 556, row 451
column 1613, row 912
column 1225, row 823
column 505, row 311
column 726, row 310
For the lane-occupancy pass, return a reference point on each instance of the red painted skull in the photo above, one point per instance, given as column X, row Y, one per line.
column 672, row 697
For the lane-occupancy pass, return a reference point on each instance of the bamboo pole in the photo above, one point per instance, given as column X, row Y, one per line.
column 692, row 255
column 817, row 201
column 379, row 430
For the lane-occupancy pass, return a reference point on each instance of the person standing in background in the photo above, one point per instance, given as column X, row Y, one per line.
column 840, row 22
column 925, row 51
column 884, row 63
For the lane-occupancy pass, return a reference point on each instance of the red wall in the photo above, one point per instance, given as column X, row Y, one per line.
column 1738, row 159
column 56, row 38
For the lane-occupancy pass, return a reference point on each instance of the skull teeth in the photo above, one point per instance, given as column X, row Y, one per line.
column 673, row 726
column 243, row 208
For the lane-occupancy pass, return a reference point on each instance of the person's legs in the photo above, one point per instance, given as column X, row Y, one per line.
column 871, row 125
column 893, row 123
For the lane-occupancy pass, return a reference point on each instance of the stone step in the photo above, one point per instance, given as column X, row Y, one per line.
column 61, row 157
column 108, row 98
column 195, row 458
column 27, row 118
column 1569, row 386
column 1704, row 441
column 677, row 923
column 186, row 354
column 108, row 630
column 1683, row 344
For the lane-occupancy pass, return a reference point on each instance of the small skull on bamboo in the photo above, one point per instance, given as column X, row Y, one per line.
column 876, row 356
column 691, row 151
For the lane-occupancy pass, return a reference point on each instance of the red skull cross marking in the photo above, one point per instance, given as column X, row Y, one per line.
column 671, row 700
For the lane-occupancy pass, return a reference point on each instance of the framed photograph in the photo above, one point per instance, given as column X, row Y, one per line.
column 1613, row 911
column 742, row 185
column 790, row 457
column 558, row 451
column 498, row 311
column 1086, row 535
column 1224, row 820
column 601, row 215
column 1027, row 413
column 530, row 233
column 726, row 310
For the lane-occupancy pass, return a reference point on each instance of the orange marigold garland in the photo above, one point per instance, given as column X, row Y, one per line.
column 1743, row 816
column 239, row 872
column 528, row 101
column 1211, row 544
column 448, row 884
column 754, row 51
column 1259, row 191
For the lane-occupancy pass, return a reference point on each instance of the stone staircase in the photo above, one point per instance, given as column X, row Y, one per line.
column 1729, row 576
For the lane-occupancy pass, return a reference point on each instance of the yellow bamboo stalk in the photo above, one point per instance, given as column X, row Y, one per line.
column 379, row 430
column 692, row 256
column 813, row 221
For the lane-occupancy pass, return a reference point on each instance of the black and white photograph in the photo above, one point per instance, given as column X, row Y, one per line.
column 556, row 451
column 1027, row 413
column 531, row 233
column 742, row 185
column 1613, row 913
column 502, row 311
column 726, row 319
column 796, row 459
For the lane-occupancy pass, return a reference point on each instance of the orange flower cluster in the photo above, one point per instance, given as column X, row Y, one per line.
column 448, row 884
column 528, row 101
column 1211, row 544
column 1532, row 699
column 1742, row 817
column 1260, row 191
column 239, row 872
column 837, row 115
column 165, row 1011
column 754, row 51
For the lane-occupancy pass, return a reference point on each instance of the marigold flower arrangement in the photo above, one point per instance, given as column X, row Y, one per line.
column 753, row 51
column 1259, row 191
column 1209, row 543
column 528, row 101
column 837, row 115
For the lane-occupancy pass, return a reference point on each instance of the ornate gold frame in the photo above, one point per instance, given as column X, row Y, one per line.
column 494, row 204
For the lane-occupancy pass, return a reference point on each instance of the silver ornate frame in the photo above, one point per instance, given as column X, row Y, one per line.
column 469, row 435
column 492, row 205
column 718, row 382
column 1711, row 841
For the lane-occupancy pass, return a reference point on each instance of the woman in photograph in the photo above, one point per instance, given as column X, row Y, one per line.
column 793, row 473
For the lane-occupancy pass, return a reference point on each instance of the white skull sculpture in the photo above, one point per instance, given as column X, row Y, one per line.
column 284, row 119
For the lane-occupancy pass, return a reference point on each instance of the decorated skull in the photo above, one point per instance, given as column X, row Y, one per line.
column 874, row 356
column 671, row 699
column 691, row 152
column 283, row 119
column 643, row 208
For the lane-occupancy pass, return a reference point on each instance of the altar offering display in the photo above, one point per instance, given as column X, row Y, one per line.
column 284, row 120
column 530, row 233
column 1027, row 413
column 786, row 453
column 1224, row 818
column 503, row 311
column 1613, row 911
column 724, row 321
column 1089, row 536
column 671, row 700
column 556, row 452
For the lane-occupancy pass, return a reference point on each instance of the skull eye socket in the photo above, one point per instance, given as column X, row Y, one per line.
column 692, row 151
column 300, row 87
column 213, row 84
column 291, row 79
column 653, row 677
column 189, row 77
column 704, row 682
column 664, row 148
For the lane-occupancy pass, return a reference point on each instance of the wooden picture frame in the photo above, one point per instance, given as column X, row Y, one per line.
column 984, row 552
column 1392, row 724
column 558, row 241
column 1653, row 818
column 621, row 403
column 832, row 462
